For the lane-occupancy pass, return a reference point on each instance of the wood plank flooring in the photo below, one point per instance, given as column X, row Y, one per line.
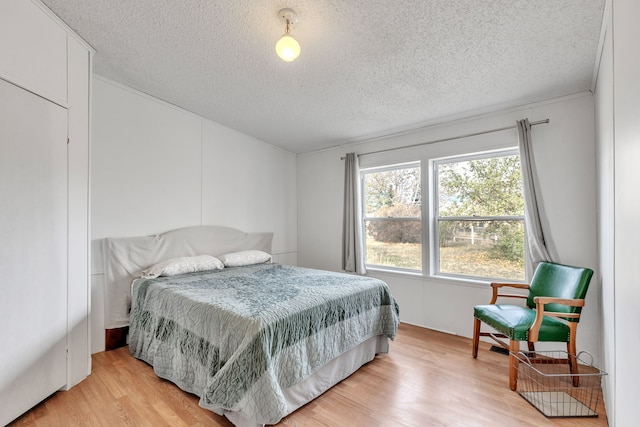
column 428, row 379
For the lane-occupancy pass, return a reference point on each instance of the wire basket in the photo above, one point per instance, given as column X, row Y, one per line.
column 545, row 381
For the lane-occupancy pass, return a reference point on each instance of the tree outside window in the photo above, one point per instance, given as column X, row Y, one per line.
column 393, row 216
column 480, row 217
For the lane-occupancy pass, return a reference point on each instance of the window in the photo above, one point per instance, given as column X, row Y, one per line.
column 392, row 199
column 470, row 226
column 479, row 216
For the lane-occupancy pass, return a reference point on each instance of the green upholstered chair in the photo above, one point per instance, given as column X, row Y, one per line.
column 552, row 312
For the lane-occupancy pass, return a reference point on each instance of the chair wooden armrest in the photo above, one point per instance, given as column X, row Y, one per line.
column 496, row 287
column 540, row 312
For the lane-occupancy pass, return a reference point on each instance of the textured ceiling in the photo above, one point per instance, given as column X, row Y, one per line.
column 367, row 67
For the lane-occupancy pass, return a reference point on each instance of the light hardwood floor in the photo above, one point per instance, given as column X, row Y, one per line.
column 428, row 379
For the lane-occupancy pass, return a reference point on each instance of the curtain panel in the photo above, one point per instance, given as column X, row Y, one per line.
column 538, row 241
column 352, row 233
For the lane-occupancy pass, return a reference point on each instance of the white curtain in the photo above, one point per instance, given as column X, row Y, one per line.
column 537, row 240
column 352, row 243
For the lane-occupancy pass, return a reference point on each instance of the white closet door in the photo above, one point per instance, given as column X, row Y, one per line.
column 33, row 49
column 33, row 248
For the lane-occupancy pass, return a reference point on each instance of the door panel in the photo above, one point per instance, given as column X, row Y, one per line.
column 33, row 248
column 33, row 49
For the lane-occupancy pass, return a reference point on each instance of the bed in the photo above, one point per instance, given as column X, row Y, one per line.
column 255, row 340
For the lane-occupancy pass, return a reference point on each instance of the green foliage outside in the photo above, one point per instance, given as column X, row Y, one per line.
column 481, row 187
column 486, row 187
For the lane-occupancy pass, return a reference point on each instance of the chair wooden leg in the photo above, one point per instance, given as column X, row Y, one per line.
column 514, row 348
column 532, row 347
column 476, row 337
column 571, row 349
column 573, row 362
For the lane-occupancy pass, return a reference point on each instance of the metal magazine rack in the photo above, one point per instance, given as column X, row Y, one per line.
column 545, row 381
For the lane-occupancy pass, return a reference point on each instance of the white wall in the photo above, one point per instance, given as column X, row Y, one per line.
column 618, row 136
column 564, row 152
column 606, row 213
column 626, row 83
column 156, row 167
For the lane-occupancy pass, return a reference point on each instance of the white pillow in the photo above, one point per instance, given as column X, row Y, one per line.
column 239, row 259
column 173, row 266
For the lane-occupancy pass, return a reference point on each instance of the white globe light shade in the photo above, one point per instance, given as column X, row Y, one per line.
column 287, row 48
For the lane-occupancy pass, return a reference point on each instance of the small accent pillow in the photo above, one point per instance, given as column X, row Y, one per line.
column 242, row 258
column 181, row 265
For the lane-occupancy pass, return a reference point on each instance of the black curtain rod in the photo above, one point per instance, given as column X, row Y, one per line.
column 539, row 122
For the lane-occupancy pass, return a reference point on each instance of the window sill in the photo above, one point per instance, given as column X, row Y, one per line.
column 394, row 271
column 459, row 281
column 445, row 280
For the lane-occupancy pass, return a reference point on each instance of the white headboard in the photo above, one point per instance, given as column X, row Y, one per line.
column 126, row 257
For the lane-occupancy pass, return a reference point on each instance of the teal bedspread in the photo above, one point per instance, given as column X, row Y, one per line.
column 237, row 337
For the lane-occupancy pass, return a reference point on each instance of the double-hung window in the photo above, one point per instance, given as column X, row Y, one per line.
column 392, row 210
column 479, row 216
column 468, row 225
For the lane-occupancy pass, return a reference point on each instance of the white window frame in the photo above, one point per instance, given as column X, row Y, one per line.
column 423, row 223
column 434, row 217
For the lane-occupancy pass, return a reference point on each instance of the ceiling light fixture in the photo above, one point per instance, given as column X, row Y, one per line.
column 287, row 47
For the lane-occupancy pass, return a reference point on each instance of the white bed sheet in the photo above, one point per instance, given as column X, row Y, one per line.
column 324, row 378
